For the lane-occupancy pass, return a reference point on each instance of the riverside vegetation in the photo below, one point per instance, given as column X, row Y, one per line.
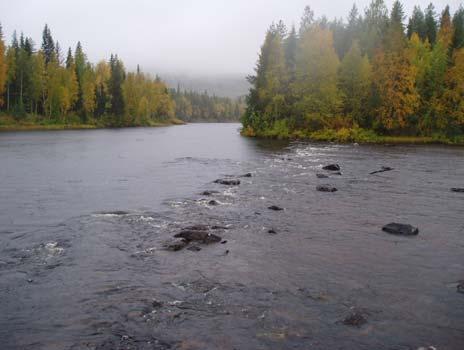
column 43, row 89
column 372, row 79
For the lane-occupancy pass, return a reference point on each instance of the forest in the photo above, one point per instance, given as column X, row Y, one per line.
column 376, row 76
column 46, row 87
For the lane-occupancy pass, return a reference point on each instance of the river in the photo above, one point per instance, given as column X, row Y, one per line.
column 85, row 217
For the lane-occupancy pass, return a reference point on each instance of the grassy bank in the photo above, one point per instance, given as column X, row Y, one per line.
column 8, row 123
column 354, row 135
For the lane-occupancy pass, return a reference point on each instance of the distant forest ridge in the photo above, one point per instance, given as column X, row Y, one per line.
column 378, row 74
column 46, row 85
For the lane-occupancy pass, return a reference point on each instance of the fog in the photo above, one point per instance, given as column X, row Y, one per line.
column 202, row 38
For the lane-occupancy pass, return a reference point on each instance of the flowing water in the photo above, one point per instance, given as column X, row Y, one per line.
column 85, row 217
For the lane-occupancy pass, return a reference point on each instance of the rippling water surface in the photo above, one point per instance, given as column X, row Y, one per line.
column 85, row 217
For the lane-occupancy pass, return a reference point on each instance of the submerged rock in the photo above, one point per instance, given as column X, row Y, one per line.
column 194, row 248
column 458, row 190
column 272, row 232
column 401, row 229
column 275, row 208
column 213, row 202
column 326, row 188
column 209, row 193
column 322, row 176
column 355, row 319
column 382, row 170
column 228, row 182
column 198, row 236
column 332, row 167
column 176, row 245
column 247, row 175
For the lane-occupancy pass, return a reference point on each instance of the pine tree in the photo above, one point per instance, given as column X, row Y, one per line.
column 458, row 25
column 48, row 45
column 3, row 68
column 115, row 88
column 307, row 20
column 417, row 24
column 431, row 26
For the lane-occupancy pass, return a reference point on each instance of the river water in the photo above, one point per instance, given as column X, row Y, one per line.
column 85, row 217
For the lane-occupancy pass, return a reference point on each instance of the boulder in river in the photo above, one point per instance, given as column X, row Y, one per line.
column 326, row 188
column 458, row 190
column 275, row 208
column 228, row 182
column 382, row 170
column 198, row 236
column 322, row 176
column 355, row 319
column 213, row 202
column 401, row 229
column 247, row 175
column 332, row 167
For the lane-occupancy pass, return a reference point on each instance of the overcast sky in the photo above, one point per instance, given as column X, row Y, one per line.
column 201, row 37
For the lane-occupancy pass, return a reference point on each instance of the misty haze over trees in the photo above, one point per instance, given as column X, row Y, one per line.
column 48, row 86
column 371, row 76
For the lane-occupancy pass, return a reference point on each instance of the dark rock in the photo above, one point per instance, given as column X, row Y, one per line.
column 460, row 287
column 156, row 303
column 197, row 228
column 177, row 245
column 401, row 229
column 322, row 176
column 458, row 190
column 228, row 182
column 382, row 170
column 272, row 232
column 213, row 202
column 198, row 236
column 337, row 173
column 223, row 242
column 209, row 193
column 247, row 175
column 355, row 319
column 217, row 227
column 326, row 188
column 194, row 248
column 227, row 252
column 30, row 280
column 332, row 167
column 275, row 208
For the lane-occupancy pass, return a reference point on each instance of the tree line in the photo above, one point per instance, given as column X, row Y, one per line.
column 372, row 73
column 48, row 86
column 194, row 106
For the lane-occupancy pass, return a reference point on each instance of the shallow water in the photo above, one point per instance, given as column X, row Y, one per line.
column 85, row 216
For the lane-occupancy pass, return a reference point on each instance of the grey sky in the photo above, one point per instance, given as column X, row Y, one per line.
column 202, row 37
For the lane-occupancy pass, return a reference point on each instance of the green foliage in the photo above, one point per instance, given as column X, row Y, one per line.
column 396, row 82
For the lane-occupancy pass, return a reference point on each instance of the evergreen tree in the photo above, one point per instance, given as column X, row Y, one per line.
column 307, row 20
column 431, row 25
column 458, row 25
column 48, row 45
column 3, row 68
column 417, row 24
column 115, row 87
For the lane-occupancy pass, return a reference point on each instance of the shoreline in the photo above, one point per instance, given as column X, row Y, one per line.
column 58, row 127
column 369, row 138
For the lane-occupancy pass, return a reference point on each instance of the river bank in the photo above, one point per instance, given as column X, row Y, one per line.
column 354, row 135
column 33, row 123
